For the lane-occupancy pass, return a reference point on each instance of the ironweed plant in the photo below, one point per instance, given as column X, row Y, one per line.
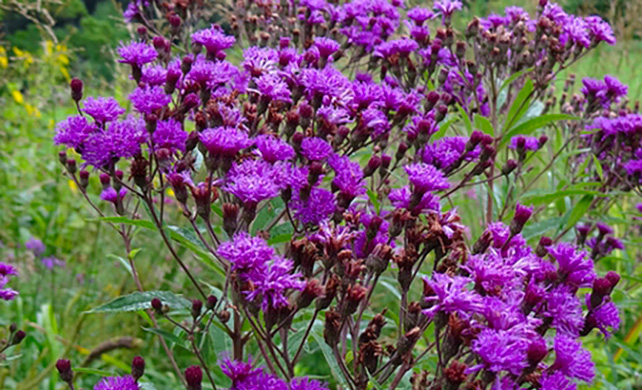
column 333, row 155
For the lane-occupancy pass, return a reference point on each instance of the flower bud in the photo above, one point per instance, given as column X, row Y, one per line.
column 371, row 167
column 197, row 307
column 76, row 89
column 138, row 367
column 230, row 218
column 509, row 167
column 442, row 110
column 105, row 180
column 62, row 157
column 355, row 295
column 522, row 214
column 194, row 377
column 542, row 247
column 18, row 337
column 331, row 329
column 83, row 179
column 431, row 99
column 313, row 290
column 64, row 369
column 223, row 316
column 71, row 166
column 211, row 302
column 536, row 352
column 186, row 65
column 455, row 375
column 157, row 305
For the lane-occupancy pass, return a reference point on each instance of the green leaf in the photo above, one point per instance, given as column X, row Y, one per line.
column 374, row 199
column 135, row 222
column 93, row 371
column 329, row 358
column 123, row 262
column 514, row 77
column 538, row 200
column 188, row 238
column 533, row 124
column 279, row 239
column 466, row 118
column 598, row 167
column 443, row 128
column 483, row 124
column 142, row 300
column 520, row 105
column 166, row 335
column 579, row 210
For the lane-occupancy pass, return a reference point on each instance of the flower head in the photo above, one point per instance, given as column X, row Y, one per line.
column 272, row 282
column 225, row 141
column 573, row 266
column 147, row 100
column 117, row 383
column 73, row 131
column 452, row 295
column 35, row 245
column 572, row 360
column 102, row 109
column 169, row 134
column 273, row 148
column 315, row 149
column 137, row 53
column 425, row 177
column 273, row 87
column 213, row 39
column 245, row 252
column 501, row 350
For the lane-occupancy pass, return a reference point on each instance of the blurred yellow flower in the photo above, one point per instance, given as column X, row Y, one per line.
column 24, row 56
column 32, row 110
column 4, row 60
column 17, row 96
column 73, row 186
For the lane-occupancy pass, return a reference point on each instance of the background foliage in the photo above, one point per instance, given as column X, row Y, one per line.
column 43, row 44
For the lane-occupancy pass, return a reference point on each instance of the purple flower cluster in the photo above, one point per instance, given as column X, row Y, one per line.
column 6, row 271
column 245, row 377
column 257, row 264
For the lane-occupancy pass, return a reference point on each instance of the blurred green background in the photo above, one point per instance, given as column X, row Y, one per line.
column 46, row 42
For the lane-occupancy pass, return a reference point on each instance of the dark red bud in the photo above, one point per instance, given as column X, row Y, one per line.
column 138, row 367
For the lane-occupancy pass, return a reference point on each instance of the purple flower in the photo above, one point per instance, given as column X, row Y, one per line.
column 401, row 198
column 490, row 272
column 272, row 283
column 121, row 139
column 556, row 381
column 102, row 109
column 52, row 262
column 252, row 182
column 273, row 148
column 306, row 384
column 565, row 310
column 375, row 121
column 525, row 143
column 244, row 377
column 36, row 246
column 225, row 141
column 605, row 317
column 575, row 30
column 420, row 15
column 614, row 88
column 452, row 295
column 131, row 12
column 147, row 100
column 273, row 87
column 73, row 131
column 117, row 383
column 501, row 350
column 426, row 177
column 169, row 134
column 259, row 61
column 402, row 47
column 315, row 149
column 318, row 207
column 573, row 266
column 326, row 46
column 447, row 151
column 245, row 252
column 7, row 270
column 447, row 7
column 348, row 176
column 516, row 14
column 556, row 13
column 110, row 195
column 572, row 360
column 213, row 39
column 633, row 167
column 154, row 75
column 422, row 124
column 137, row 53
column 600, row 30
column 328, row 82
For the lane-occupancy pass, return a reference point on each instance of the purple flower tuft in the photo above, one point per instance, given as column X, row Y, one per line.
column 137, row 53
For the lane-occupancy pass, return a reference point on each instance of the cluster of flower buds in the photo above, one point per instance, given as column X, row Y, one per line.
column 127, row 382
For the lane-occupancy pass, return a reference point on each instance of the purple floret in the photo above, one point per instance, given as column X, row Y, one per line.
column 425, row 177
column 169, row 134
column 213, row 39
column 225, row 141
